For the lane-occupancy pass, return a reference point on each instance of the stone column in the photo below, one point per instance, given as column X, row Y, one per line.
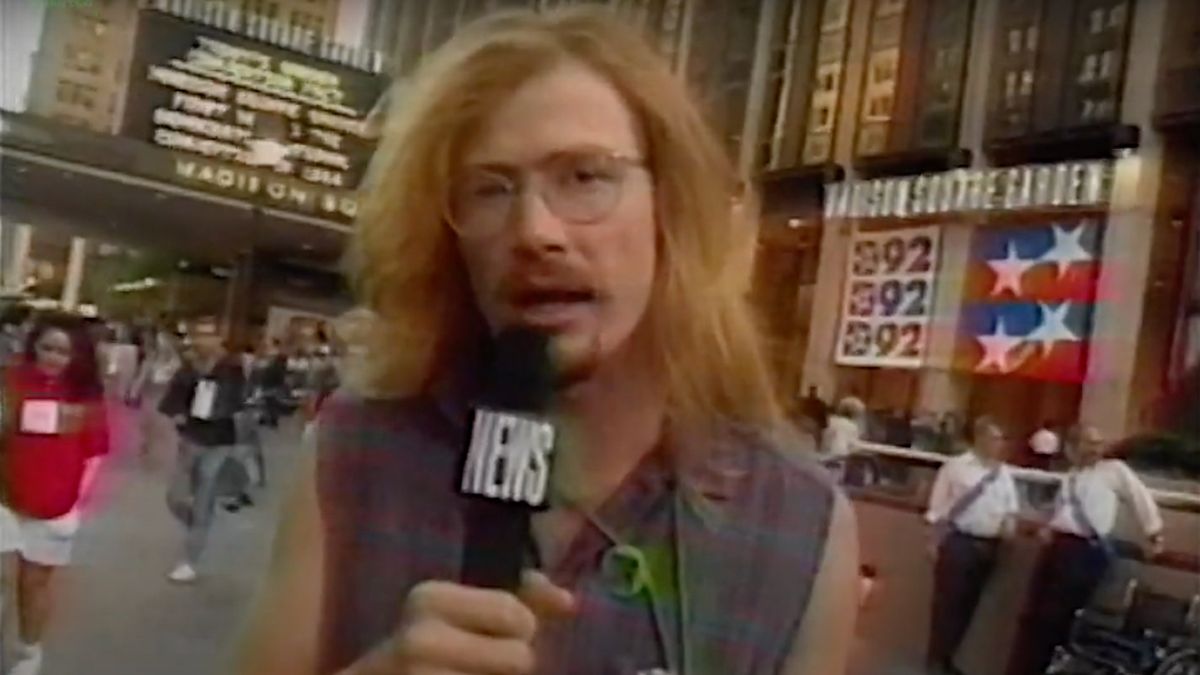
column 1128, row 240
column 942, row 388
column 74, row 277
column 238, row 299
column 19, row 239
column 753, row 121
column 819, row 368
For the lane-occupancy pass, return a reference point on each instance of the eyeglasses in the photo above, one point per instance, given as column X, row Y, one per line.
column 581, row 188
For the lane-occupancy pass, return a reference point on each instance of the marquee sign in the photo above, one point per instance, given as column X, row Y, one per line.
column 218, row 99
column 888, row 299
column 1067, row 184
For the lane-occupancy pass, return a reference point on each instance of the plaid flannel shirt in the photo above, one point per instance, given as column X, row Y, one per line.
column 732, row 544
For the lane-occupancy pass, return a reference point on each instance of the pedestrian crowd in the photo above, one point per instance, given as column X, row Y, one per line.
column 68, row 383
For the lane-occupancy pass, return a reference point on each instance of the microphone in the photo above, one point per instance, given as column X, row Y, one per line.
column 506, row 470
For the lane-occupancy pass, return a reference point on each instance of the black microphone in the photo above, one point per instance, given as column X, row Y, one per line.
column 506, row 471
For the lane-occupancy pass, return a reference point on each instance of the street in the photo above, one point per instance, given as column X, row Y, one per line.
column 118, row 614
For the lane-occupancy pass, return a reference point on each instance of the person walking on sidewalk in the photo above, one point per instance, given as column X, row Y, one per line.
column 52, row 435
column 203, row 399
column 1078, row 550
column 973, row 507
column 158, row 435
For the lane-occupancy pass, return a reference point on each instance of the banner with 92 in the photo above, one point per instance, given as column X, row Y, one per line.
column 888, row 298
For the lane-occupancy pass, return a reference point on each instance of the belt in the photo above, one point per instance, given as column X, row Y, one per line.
column 975, row 538
column 1071, row 536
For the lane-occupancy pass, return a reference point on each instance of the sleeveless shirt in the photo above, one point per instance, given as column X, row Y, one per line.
column 703, row 570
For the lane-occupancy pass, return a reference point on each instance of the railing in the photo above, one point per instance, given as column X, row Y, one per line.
column 1179, row 501
column 893, row 485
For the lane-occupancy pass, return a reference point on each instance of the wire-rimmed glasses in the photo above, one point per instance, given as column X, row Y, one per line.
column 579, row 187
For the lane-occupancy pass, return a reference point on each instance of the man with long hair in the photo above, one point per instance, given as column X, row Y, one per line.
column 549, row 171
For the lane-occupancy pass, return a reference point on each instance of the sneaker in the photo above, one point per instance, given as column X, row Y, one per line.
column 182, row 574
column 29, row 661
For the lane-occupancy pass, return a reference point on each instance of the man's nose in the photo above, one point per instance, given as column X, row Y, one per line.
column 535, row 225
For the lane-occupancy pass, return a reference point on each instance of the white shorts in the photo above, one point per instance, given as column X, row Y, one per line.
column 44, row 542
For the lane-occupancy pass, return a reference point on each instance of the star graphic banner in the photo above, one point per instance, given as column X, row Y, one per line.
column 1029, row 299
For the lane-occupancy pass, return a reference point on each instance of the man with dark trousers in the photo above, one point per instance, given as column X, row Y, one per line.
column 973, row 507
column 1078, row 549
column 204, row 399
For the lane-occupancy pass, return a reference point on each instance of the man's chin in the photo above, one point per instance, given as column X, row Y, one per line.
column 575, row 356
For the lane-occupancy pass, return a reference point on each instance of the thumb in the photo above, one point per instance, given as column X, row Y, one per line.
column 545, row 598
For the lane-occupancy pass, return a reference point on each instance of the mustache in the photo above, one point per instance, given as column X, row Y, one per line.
column 529, row 279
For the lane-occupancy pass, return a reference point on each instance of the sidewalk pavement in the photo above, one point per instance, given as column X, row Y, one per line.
column 117, row 613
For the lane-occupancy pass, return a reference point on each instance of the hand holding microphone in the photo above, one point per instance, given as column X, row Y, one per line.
column 451, row 629
column 487, row 624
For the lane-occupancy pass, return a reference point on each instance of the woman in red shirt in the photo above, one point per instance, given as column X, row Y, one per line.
column 51, row 438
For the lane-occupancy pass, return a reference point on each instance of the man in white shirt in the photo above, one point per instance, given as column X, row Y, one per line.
column 1078, row 550
column 972, row 507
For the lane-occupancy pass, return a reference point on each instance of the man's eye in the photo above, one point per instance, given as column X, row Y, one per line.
column 589, row 173
column 587, row 176
column 488, row 190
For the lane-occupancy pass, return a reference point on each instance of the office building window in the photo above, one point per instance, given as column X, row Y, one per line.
column 1107, row 57
column 74, row 93
column 1027, row 82
column 944, row 58
column 82, row 60
column 879, row 108
column 936, row 128
column 872, row 139
column 1096, row 21
column 88, row 25
column 823, row 118
column 826, row 88
column 668, row 26
column 883, row 71
column 779, row 132
column 889, row 7
column 817, row 147
column 885, row 32
column 1096, row 110
column 1016, row 41
column 1090, row 66
column 835, row 15
column 264, row 8
column 827, row 80
column 1022, row 40
column 1116, row 16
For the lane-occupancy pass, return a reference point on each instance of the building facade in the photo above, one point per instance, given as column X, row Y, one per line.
column 716, row 44
column 235, row 144
column 80, row 68
column 999, row 199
